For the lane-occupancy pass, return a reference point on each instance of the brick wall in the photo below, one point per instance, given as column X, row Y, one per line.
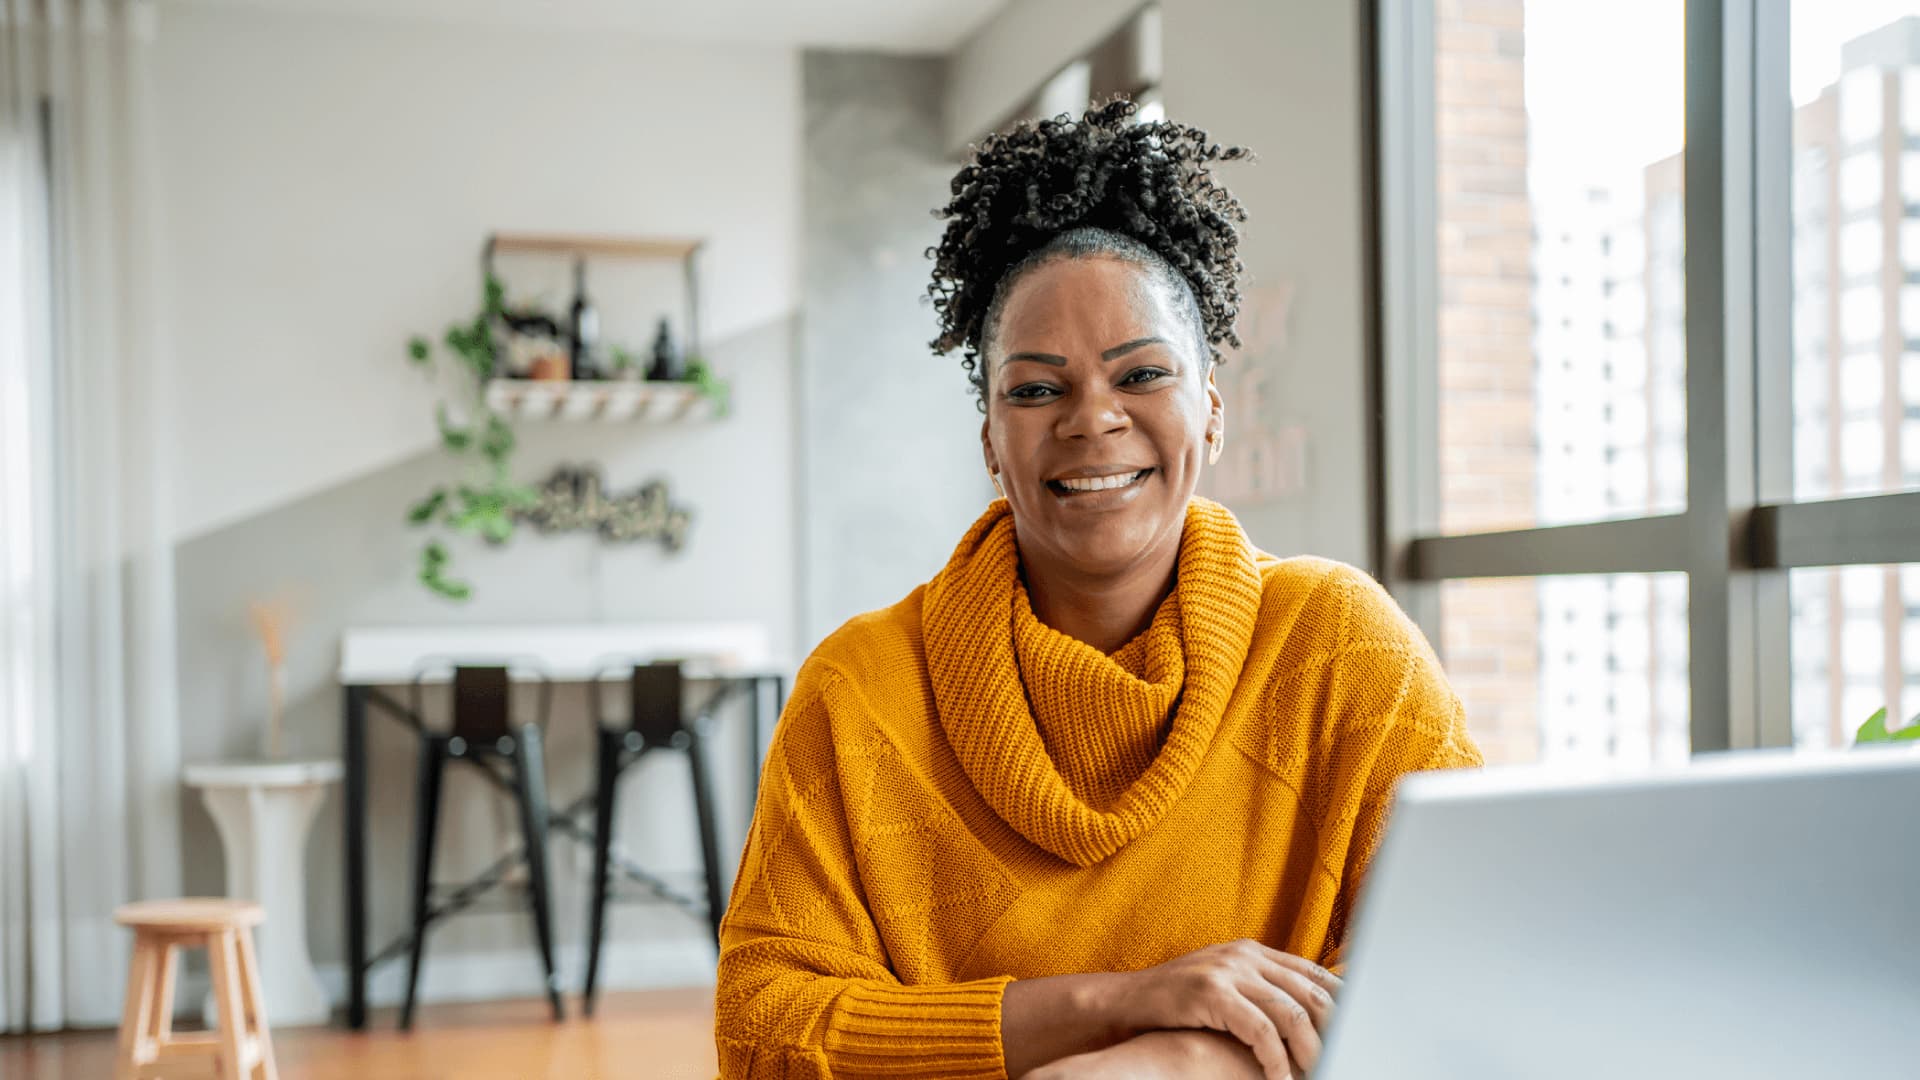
column 1489, row 633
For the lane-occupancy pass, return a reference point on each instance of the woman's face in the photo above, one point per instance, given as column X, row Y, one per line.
column 1099, row 401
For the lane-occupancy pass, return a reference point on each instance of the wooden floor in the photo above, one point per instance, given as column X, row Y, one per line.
column 652, row 1035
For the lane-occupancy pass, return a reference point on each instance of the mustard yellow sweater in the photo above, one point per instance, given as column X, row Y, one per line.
column 958, row 796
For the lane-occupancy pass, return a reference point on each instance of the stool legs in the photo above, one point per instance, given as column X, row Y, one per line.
column 256, row 1014
column 608, row 762
column 137, row 1016
column 530, row 785
column 697, row 751
column 239, row 1047
column 162, row 1025
column 223, row 958
column 433, row 765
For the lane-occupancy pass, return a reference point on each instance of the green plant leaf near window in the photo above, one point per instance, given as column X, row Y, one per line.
column 1875, row 731
column 483, row 503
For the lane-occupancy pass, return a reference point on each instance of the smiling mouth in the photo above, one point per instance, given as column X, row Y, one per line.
column 1083, row 485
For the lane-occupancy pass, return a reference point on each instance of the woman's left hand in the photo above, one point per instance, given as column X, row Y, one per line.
column 1275, row 1003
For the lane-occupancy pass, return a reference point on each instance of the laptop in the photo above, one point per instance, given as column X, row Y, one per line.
column 1748, row 915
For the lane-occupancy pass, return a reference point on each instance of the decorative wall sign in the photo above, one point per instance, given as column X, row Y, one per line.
column 574, row 499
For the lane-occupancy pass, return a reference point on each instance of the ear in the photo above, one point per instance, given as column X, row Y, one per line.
column 1216, row 405
column 986, row 447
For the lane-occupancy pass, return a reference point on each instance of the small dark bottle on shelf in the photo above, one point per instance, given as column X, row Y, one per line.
column 583, row 328
column 666, row 363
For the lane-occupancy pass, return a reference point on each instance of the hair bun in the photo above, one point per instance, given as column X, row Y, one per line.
column 1148, row 181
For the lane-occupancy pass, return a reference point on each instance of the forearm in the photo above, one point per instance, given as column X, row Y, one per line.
column 1045, row 1020
column 1184, row 1053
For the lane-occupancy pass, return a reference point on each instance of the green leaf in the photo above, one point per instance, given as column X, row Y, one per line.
column 417, row 349
column 453, row 438
column 1874, row 730
column 433, row 564
column 423, row 511
column 493, row 296
column 497, row 442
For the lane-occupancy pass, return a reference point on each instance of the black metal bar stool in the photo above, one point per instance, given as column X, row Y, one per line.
column 655, row 721
column 483, row 734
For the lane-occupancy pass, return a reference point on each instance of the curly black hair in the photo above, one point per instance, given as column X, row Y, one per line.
column 1102, row 184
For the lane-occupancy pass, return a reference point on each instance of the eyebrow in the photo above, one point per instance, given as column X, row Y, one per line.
column 1124, row 348
column 1117, row 351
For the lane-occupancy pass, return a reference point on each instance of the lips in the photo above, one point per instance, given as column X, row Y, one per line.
column 1090, row 481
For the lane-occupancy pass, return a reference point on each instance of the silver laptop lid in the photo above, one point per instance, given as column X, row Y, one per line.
column 1751, row 915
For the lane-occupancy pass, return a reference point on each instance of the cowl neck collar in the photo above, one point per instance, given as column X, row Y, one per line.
column 1100, row 763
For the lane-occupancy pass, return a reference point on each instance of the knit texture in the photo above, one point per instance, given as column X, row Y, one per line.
column 958, row 795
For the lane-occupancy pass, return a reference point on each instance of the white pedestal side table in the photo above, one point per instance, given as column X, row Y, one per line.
column 263, row 810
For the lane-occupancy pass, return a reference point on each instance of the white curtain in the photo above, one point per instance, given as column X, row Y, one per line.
column 89, row 740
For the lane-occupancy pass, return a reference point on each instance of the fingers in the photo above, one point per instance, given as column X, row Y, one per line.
column 1254, row 1026
column 1320, row 976
column 1283, row 995
column 1298, row 998
column 1310, row 994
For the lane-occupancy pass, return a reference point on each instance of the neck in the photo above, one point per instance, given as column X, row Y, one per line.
column 1104, row 610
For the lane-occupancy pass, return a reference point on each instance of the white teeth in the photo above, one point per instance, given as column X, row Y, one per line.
column 1102, row 483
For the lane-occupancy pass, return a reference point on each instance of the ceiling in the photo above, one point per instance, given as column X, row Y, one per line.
column 912, row 26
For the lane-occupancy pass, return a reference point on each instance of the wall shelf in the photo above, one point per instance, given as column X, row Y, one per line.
column 600, row 246
column 606, row 401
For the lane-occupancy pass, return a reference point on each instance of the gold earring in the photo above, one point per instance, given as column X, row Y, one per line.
column 997, row 489
column 1216, row 442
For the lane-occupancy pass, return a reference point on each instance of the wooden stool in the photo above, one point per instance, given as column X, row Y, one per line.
column 240, row 1048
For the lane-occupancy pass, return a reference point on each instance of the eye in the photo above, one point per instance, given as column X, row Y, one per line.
column 1145, row 376
column 1031, row 392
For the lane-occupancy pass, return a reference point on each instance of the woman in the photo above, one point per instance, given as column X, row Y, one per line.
column 1096, row 800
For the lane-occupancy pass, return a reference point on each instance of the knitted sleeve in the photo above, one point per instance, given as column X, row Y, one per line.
column 804, row 988
column 1393, row 713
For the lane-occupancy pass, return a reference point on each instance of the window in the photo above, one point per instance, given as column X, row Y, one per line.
column 1856, row 649
column 1558, row 238
column 1859, row 182
column 1604, row 578
column 1859, row 248
column 1860, row 92
column 1847, row 62
column 1580, row 668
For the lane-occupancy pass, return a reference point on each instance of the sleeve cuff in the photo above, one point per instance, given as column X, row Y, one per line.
column 950, row 1030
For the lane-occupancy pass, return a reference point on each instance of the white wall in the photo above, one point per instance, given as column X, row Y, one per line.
column 328, row 183
column 1284, row 79
column 1011, row 54
column 891, row 467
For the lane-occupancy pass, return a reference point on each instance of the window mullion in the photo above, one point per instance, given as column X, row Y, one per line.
column 1718, row 241
column 1770, row 609
column 1409, row 379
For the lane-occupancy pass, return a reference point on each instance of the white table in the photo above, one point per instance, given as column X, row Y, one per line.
column 726, row 653
column 262, row 810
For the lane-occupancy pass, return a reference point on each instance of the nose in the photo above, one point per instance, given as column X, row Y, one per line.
column 1096, row 410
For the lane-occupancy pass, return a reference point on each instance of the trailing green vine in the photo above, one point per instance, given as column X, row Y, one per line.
column 483, row 503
